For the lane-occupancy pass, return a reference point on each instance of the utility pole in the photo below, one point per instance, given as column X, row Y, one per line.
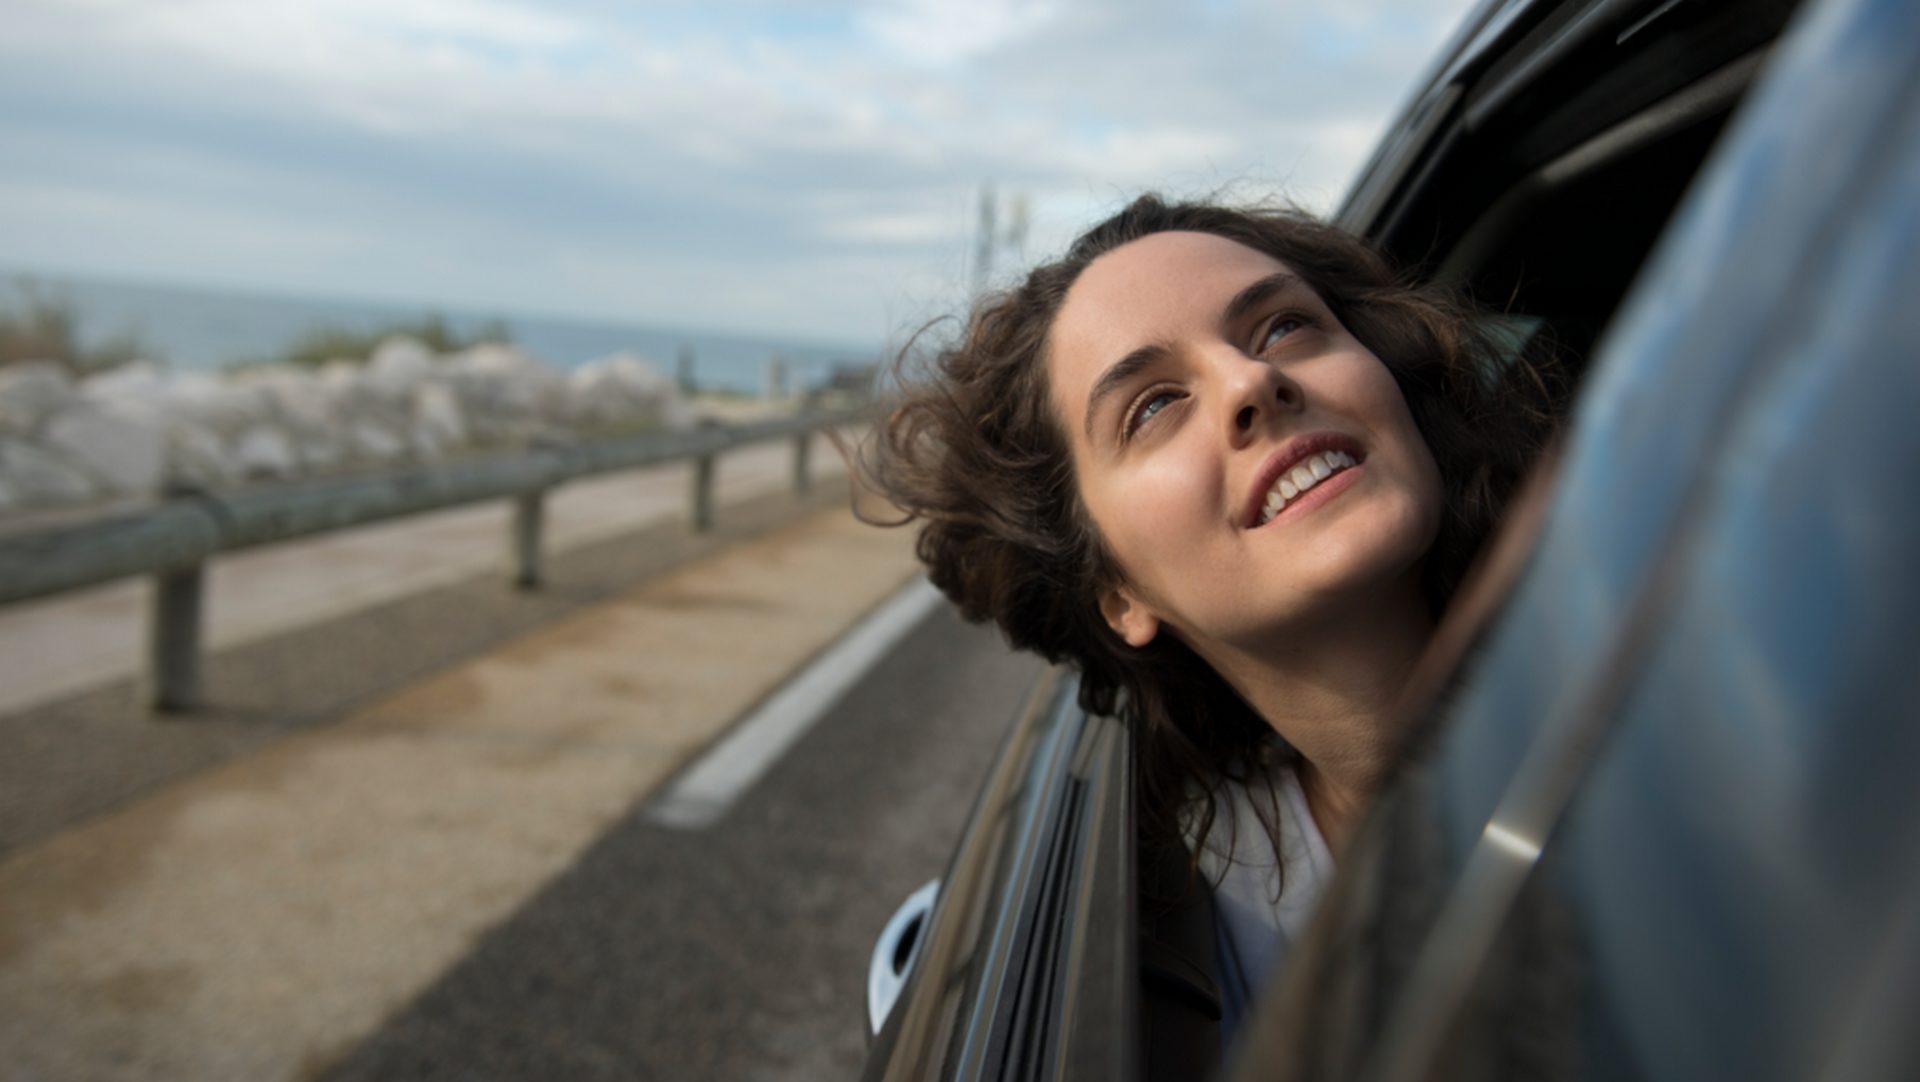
column 1016, row 235
column 984, row 242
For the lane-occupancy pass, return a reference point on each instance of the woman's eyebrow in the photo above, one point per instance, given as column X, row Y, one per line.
column 1116, row 377
column 1258, row 293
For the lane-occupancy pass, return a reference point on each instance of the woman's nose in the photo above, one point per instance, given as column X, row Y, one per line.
column 1257, row 393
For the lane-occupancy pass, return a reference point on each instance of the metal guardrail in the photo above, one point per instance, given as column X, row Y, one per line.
column 173, row 539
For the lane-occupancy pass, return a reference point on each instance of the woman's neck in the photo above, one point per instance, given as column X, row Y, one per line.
column 1333, row 694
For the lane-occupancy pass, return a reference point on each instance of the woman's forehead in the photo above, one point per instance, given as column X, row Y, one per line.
column 1162, row 277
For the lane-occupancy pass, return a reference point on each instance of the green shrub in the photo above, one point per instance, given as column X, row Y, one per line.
column 38, row 325
column 321, row 344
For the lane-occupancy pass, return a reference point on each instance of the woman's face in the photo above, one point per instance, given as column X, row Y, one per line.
column 1250, row 465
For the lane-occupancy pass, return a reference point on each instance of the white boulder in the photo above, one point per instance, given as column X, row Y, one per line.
column 340, row 373
column 226, row 408
column 135, row 381
column 437, row 416
column 320, row 453
column 399, row 362
column 265, row 452
column 311, row 412
column 369, row 440
column 30, row 392
column 196, row 456
column 493, row 359
column 124, row 452
column 623, row 388
column 40, row 477
column 503, row 392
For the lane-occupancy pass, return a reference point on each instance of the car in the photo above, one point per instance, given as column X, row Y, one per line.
column 1657, row 820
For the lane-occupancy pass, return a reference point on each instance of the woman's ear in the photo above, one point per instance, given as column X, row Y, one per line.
column 1128, row 616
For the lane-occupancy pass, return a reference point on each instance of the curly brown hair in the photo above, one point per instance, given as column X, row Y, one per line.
column 978, row 454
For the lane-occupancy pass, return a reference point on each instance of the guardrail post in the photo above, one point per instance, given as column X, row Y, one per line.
column 173, row 639
column 703, row 493
column 802, row 444
column 529, row 515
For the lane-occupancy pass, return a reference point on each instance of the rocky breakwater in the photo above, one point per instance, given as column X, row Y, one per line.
column 140, row 429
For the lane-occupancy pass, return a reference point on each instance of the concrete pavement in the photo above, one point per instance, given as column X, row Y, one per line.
column 736, row 953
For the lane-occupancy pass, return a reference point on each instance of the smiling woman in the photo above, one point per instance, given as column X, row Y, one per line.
column 1245, row 393
column 1227, row 466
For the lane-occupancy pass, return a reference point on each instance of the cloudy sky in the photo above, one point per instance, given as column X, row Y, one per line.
column 777, row 167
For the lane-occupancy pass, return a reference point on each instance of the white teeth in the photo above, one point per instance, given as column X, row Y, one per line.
column 1303, row 477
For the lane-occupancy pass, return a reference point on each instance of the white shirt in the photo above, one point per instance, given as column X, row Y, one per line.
column 1260, row 907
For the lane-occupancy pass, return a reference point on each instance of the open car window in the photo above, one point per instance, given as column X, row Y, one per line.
column 1557, row 146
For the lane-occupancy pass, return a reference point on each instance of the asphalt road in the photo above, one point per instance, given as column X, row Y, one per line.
column 738, row 951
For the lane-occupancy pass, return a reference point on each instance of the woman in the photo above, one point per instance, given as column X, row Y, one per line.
column 1228, row 467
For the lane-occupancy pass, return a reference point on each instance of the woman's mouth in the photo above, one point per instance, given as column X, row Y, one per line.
column 1302, row 479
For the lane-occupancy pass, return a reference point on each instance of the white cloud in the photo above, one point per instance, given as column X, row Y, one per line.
column 138, row 234
column 904, row 227
column 753, row 141
column 941, row 32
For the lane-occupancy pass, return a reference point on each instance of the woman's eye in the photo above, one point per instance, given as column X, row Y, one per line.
column 1147, row 406
column 1279, row 329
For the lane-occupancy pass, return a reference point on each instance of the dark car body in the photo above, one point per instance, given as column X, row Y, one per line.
column 1662, row 822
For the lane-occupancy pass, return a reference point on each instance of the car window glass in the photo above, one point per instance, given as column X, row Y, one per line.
column 1724, row 896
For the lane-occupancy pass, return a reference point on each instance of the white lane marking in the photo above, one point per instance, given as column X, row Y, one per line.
column 704, row 791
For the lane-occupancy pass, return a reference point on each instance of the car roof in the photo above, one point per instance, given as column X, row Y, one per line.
column 1523, row 38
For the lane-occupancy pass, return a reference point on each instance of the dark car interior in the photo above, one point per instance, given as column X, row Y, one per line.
column 1564, row 158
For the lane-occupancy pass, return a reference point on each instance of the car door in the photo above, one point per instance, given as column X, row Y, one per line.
column 1664, row 828
column 1026, row 967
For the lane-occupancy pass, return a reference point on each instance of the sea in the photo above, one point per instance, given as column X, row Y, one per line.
column 194, row 328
